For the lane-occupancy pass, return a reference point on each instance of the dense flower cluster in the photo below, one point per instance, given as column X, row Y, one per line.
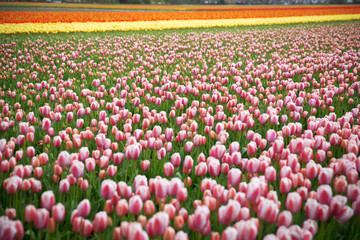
column 10, row 28
column 228, row 135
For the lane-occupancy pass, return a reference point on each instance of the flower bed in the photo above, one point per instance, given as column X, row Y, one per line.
column 217, row 135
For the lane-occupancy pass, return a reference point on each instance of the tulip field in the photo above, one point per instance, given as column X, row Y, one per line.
column 224, row 133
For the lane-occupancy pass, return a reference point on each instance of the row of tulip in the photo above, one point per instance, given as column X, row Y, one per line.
column 168, row 7
column 11, row 28
column 131, row 16
column 220, row 135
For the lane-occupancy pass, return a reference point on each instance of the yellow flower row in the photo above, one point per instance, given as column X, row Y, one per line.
column 10, row 28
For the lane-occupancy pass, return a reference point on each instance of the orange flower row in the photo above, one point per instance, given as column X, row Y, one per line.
column 161, row 7
column 67, row 17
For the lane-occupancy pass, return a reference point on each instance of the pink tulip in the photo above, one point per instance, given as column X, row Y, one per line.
column 270, row 174
column 247, row 229
column 149, row 207
column 263, row 118
column 234, row 177
column 45, row 124
column 10, row 229
column 337, row 204
column 251, row 149
column 182, row 194
column 41, row 219
column 267, row 210
column 352, row 192
column 168, row 169
column 135, row 232
column 30, row 151
column 325, row 176
column 180, row 235
column 84, row 153
column 285, row 218
column 229, row 213
column 324, row 193
column 217, row 151
column 47, row 200
column 111, row 170
column 157, row 224
column 188, row 162
column 199, row 219
column 64, row 159
column 161, row 153
column 100, row 222
column 86, row 228
column 58, row 212
column 214, row 167
column 189, row 146
column 285, row 185
column 122, row 207
column 90, row 164
column 77, row 169
column 161, row 187
column 201, row 169
column 324, row 212
column 340, row 184
column 293, row 202
column 270, row 135
column 234, row 147
column 135, row 205
column 132, row 151
column 84, row 208
column 230, row 233
column 311, row 170
column 108, row 188
column 278, row 146
column 29, row 214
